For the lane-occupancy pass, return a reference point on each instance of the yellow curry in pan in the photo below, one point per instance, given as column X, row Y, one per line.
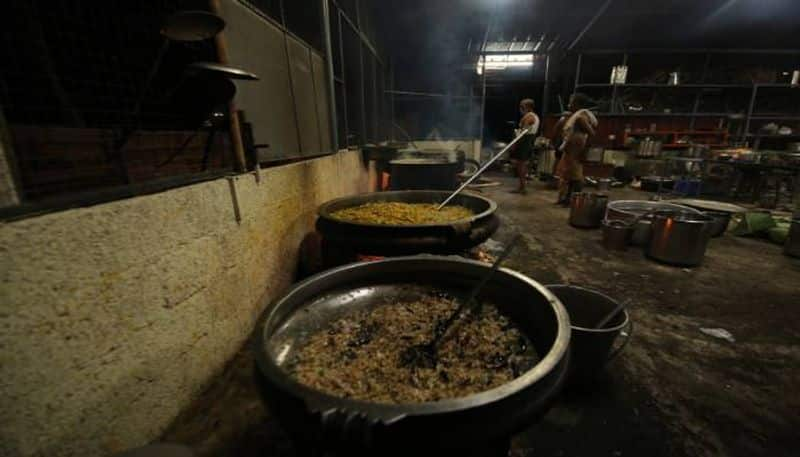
column 398, row 213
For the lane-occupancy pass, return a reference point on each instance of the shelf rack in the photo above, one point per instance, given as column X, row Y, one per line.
column 674, row 135
column 753, row 87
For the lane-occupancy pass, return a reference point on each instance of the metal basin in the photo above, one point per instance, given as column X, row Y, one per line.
column 443, row 238
column 447, row 427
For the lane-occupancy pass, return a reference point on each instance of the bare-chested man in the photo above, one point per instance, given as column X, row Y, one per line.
column 574, row 129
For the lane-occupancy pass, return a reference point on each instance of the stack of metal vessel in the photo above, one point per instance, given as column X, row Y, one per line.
column 675, row 233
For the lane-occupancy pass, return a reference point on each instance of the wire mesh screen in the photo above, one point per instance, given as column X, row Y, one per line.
column 74, row 91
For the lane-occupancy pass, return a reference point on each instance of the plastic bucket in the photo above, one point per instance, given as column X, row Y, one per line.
column 591, row 348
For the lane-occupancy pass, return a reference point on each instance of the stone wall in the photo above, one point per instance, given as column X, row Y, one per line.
column 115, row 316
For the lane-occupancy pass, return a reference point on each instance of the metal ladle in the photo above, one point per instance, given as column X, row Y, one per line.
column 482, row 169
column 607, row 318
column 183, row 26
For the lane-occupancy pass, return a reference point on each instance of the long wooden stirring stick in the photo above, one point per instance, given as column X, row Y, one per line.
column 482, row 169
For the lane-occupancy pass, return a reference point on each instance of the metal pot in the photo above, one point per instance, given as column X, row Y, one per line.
column 648, row 148
column 720, row 222
column 603, row 184
column 380, row 153
column 616, row 234
column 420, row 174
column 454, row 426
column 642, row 232
column 637, row 212
column 587, row 209
column 792, row 246
column 679, row 237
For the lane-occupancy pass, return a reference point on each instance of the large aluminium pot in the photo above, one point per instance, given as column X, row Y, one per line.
column 587, row 209
column 679, row 237
column 441, row 238
column 616, row 234
column 382, row 152
column 640, row 213
column 455, row 426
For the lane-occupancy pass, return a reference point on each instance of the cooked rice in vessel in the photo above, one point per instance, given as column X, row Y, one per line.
column 361, row 356
column 398, row 213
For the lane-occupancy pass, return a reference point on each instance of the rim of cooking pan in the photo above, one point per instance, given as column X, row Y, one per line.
column 324, row 210
column 606, row 297
column 390, row 412
column 641, row 208
column 684, row 217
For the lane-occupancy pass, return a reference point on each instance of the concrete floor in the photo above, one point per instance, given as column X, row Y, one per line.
column 673, row 391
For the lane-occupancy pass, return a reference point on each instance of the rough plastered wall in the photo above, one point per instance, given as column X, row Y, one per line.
column 8, row 189
column 113, row 317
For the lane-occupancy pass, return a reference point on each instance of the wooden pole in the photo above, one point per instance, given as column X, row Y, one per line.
column 235, row 127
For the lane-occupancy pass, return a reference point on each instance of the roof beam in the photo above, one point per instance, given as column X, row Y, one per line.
column 591, row 22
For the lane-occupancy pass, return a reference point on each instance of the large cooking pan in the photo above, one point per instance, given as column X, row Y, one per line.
column 463, row 426
column 442, row 238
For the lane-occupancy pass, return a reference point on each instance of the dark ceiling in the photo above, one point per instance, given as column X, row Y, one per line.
column 435, row 34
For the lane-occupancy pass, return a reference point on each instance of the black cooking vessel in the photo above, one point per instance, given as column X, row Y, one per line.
column 443, row 238
column 317, row 420
column 382, row 153
column 420, row 174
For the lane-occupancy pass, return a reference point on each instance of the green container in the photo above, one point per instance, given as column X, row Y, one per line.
column 752, row 223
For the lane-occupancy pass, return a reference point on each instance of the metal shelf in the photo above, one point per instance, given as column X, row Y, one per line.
column 673, row 86
column 698, row 94
column 773, row 135
column 632, row 114
column 780, row 117
column 777, row 85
